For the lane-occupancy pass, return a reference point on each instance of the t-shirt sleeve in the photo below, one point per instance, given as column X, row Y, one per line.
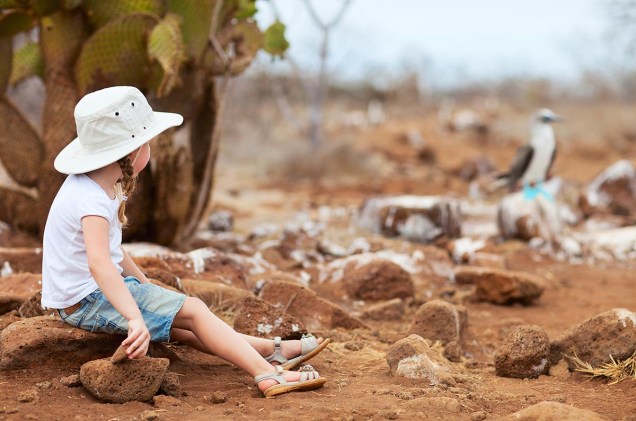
column 95, row 205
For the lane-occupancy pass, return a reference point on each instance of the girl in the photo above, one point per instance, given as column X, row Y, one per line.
column 94, row 283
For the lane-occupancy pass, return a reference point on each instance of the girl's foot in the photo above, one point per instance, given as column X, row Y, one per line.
column 289, row 349
column 280, row 381
column 289, row 354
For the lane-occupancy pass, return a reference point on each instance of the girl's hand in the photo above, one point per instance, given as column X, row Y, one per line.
column 138, row 338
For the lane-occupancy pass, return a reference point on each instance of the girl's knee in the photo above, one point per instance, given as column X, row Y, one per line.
column 193, row 305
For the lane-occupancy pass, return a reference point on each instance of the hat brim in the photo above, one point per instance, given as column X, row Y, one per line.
column 75, row 159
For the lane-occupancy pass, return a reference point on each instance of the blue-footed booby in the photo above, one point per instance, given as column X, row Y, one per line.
column 533, row 161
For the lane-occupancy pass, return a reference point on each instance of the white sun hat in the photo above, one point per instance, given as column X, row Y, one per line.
column 111, row 123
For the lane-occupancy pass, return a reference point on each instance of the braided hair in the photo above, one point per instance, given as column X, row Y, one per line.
column 125, row 186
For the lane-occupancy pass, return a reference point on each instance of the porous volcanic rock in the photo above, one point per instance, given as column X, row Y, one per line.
column 612, row 191
column 500, row 286
column 439, row 320
column 32, row 307
column 385, row 310
column 419, row 218
column 524, row 353
column 413, row 357
column 134, row 380
column 313, row 311
column 46, row 340
column 553, row 411
column 593, row 341
column 214, row 294
column 364, row 277
column 259, row 318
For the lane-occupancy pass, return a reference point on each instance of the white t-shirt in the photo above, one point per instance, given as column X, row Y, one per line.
column 66, row 278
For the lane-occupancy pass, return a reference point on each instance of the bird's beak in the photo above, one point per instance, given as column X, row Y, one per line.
column 557, row 118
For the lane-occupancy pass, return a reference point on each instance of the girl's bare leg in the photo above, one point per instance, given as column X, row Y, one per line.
column 218, row 338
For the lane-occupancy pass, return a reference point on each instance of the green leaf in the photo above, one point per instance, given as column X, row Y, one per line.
column 27, row 61
column 116, row 54
column 100, row 12
column 14, row 23
column 166, row 46
column 275, row 42
column 246, row 9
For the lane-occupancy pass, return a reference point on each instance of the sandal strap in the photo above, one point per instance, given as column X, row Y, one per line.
column 308, row 343
column 277, row 355
column 276, row 375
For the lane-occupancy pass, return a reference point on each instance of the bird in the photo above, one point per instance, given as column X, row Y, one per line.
column 533, row 161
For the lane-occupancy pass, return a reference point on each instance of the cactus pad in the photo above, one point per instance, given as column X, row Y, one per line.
column 166, row 46
column 101, row 12
column 116, row 54
column 27, row 61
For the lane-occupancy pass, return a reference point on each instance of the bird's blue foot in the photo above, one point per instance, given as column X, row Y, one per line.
column 531, row 192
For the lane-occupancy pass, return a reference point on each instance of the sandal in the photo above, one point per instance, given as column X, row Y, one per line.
column 309, row 380
column 309, row 347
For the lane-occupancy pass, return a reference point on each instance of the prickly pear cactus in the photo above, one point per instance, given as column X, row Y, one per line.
column 173, row 50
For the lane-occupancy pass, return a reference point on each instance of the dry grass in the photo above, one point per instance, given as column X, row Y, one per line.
column 616, row 370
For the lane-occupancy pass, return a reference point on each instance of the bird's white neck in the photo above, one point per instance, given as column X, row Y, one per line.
column 542, row 136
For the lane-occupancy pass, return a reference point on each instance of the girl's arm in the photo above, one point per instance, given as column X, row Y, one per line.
column 112, row 285
column 131, row 269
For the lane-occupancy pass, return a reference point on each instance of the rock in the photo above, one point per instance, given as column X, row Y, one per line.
column 364, row 277
column 385, row 310
column 227, row 242
column 218, row 397
column 419, row 218
column 255, row 282
column 216, row 295
column 453, row 352
column 612, row 191
column 314, row 312
column 27, row 396
column 21, row 259
column 9, row 318
column 560, row 370
column 525, row 219
column 593, row 341
column 221, row 221
column 524, row 353
column 438, row 320
column 261, row 319
column 45, row 340
column 171, row 385
column 478, row 416
column 119, row 356
column 166, row 402
column 134, row 380
column 15, row 289
column 412, row 357
column 32, row 307
column 549, row 411
column 501, row 286
column 71, row 381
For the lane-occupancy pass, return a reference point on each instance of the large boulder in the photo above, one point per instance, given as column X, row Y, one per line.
column 45, row 340
column 366, row 277
column 261, row 319
column 524, row 353
column 612, row 191
column 131, row 380
column 500, row 286
column 593, row 341
column 15, row 289
column 418, row 218
column 216, row 295
column 439, row 320
column 313, row 311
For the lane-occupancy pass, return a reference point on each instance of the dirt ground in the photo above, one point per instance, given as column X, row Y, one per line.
column 359, row 385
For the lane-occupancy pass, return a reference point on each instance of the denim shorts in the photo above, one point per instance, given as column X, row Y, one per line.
column 158, row 307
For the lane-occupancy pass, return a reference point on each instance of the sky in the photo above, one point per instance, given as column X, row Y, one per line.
column 448, row 40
